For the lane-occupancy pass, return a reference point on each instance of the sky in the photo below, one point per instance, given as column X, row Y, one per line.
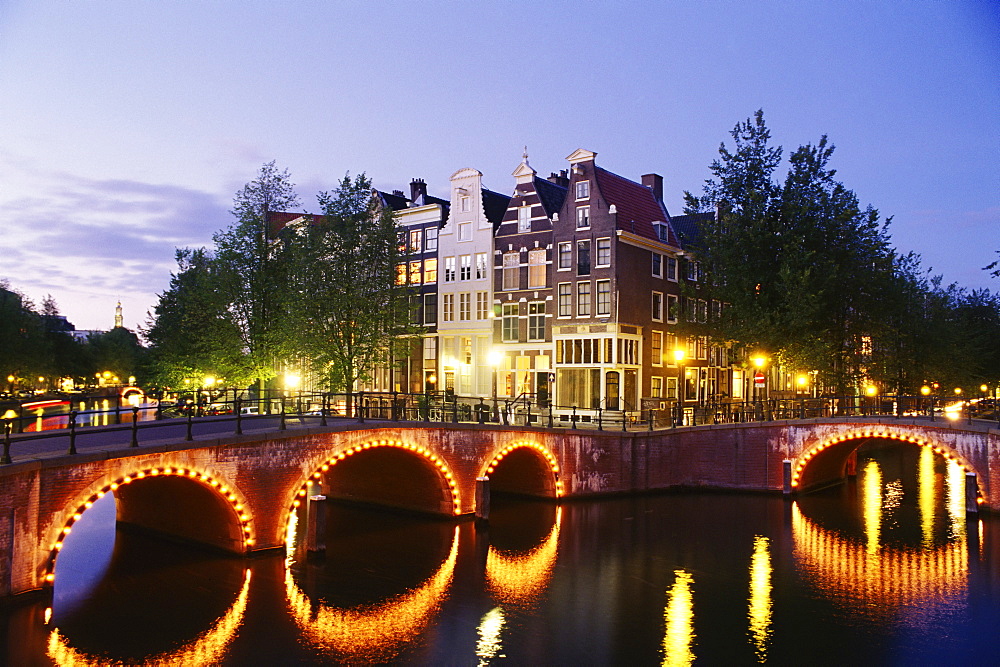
column 126, row 127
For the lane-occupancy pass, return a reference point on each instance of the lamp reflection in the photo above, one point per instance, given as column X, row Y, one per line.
column 371, row 632
column 955, row 499
column 519, row 577
column 678, row 636
column 760, row 597
column 926, row 495
column 209, row 648
column 488, row 646
column 871, row 504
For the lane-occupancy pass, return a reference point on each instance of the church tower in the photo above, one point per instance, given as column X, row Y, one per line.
column 118, row 316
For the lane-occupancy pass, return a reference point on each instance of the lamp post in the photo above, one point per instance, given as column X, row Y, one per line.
column 759, row 361
column 494, row 358
column 679, row 359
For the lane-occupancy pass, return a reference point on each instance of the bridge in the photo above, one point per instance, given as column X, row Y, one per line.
column 245, row 492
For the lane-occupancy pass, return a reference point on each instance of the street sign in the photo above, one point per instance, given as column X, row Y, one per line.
column 758, row 379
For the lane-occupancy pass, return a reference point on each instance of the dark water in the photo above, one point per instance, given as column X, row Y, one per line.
column 883, row 570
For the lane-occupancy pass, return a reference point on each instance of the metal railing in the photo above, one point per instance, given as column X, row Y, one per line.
column 279, row 410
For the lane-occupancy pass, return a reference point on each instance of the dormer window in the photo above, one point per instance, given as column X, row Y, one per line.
column 662, row 231
column 524, row 218
column 583, row 189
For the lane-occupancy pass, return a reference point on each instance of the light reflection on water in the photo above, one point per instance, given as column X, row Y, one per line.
column 879, row 568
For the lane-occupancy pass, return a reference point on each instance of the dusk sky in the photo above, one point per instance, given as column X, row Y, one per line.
column 126, row 127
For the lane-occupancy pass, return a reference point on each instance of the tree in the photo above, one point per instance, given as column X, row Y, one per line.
column 800, row 264
column 348, row 308
column 250, row 273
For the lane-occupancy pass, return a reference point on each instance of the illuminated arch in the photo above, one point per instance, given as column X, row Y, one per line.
column 317, row 474
column 210, row 647
column 230, row 495
column 550, row 459
column 878, row 431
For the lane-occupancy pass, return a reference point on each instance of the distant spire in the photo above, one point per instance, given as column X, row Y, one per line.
column 525, row 155
column 119, row 322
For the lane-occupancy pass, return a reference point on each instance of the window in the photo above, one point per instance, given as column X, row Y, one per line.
column 464, row 203
column 656, row 348
column 672, row 268
column 482, row 305
column 657, row 265
column 401, row 242
column 524, row 218
column 449, row 269
column 565, row 299
column 465, row 231
column 431, row 270
column 415, row 237
column 481, row 265
column 511, row 270
column 465, row 306
column 509, row 329
column 702, row 311
column 401, row 274
column 416, row 272
column 690, row 309
column 671, row 388
column 565, row 255
column 603, row 297
column 583, row 299
column 430, row 348
column 431, row 238
column 582, row 189
column 430, row 308
column 466, row 269
column 692, row 270
column 536, row 320
column 449, row 308
column 536, row 268
column 656, row 387
column 657, row 306
column 672, row 308
column 582, row 217
column 583, row 258
column 603, row 252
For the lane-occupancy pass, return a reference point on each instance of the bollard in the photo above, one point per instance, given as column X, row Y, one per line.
column 135, row 426
column 316, row 523
column 786, row 475
column 600, row 419
column 482, row 498
column 971, row 493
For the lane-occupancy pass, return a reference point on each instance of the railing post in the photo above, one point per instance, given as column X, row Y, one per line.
column 454, row 410
column 550, row 415
column 190, row 436
column 481, row 410
column 393, row 410
column 651, row 419
column 572, row 419
column 72, row 432
column 135, row 426
column 283, row 426
column 624, row 417
column 360, row 408
column 118, row 408
column 600, row 418
column 7, row 427
column 323, row 408
column 238, row 406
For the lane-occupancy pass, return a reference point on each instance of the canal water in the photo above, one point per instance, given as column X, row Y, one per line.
column 883, row 570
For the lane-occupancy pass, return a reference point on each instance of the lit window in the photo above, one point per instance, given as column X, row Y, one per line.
column 430, row 348
column 430, row 270
column 401, row 274
column 656, row 387
column 582, row 189
column 536, row 268
column 416, row 273
column 656, row 348
column 415, row 236
column 582, row 217
column 465, row 306
column 511, row 270
column 449, row 308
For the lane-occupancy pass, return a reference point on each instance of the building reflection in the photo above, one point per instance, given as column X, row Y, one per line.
column 678, row 616
column 519, row 577
column 209, row 648
column 371, row 632
column 760, row 597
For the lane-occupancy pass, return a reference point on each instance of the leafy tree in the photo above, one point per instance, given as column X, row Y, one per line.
column 250, row 273
column 347, row 307
column 23, row 350
column 117, row 351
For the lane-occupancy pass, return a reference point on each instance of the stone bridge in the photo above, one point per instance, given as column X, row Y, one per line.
column 244, row 493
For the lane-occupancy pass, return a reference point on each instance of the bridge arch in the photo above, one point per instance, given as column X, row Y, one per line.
column 438, row 467
column 225, row 507
column 828, row 457
column 524, row 468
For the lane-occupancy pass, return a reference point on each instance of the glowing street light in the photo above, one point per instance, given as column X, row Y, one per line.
column 925, row 391
column 871, row 390
column 958, row 391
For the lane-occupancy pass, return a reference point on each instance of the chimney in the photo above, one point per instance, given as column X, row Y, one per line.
column 655, row 183
column 418, row 191
column 562, row 178
column 398, row 193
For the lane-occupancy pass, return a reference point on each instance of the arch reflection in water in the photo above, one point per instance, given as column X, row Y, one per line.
column 518, row 578
column 678, row 616
column 373, row 632
column 209, row 648
column 760, row 597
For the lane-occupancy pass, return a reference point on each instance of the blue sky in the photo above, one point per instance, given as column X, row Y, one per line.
column 126, row 127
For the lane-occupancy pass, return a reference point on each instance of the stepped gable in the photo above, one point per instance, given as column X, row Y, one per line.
column 637, row 208
column 551, row 195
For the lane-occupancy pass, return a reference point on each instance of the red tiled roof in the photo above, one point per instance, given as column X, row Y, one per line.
column 637, row 207
column 276, row 221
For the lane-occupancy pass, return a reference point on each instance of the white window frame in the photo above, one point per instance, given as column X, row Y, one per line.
column 464, row 232
column 565, row 252
column 448, row 310
column 465, row 306
column 536, row 268
column 584, row 309
column 449, row 270
column 657, row 270
column 511, row 268
column 564, row 300
column 672, row 306
column 524, row 218
column 656, row 304
column 607, row 253
column 582, row 190
column 602, row 309
column 672, row 269
column 482, row 266
column 657, row 359
column 583, row 215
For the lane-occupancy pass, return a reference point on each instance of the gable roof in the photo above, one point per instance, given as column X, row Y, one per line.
column 688, row 227
column 636, row 206
column 494, row 205
column 550, row 194
column 276, row 221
